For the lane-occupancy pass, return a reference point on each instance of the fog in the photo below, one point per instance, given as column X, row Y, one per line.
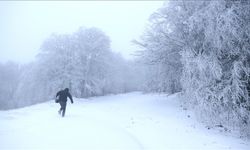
column 26, row 24
column 199, row 49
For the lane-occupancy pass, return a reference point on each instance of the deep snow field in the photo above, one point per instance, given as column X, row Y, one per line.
column 132, row 121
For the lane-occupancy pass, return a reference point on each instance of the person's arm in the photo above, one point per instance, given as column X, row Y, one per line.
column 57, row 94
column 70, row 97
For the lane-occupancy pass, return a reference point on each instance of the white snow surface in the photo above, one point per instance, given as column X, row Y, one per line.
column 132, row 121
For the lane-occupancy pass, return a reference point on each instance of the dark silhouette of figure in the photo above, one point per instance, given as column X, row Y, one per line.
column 63, row 94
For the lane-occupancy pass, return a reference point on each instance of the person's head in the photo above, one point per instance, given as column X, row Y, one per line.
column 66, row 89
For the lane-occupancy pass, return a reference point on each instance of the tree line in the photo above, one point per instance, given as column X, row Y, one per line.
column 202, row 49
column 82, row 61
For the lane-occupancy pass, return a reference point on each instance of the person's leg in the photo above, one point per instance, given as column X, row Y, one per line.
column 61, row 108
column 64, row 109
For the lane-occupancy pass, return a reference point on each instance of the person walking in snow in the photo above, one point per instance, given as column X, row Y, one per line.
column 62, row 100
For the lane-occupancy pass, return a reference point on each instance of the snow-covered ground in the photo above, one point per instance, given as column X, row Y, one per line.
column 131, row 121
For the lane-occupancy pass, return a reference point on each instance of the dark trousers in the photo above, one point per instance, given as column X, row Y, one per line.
column 63, row 108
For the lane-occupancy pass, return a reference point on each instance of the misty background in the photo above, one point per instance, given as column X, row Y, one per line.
column 25, row 25
column 197, row 48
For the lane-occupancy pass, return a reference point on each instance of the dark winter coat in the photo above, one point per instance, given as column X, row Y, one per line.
column 63, row 94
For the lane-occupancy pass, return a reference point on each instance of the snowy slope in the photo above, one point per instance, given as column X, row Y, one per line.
column 131, row 121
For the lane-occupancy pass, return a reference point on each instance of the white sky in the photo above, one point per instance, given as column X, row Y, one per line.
column 24, row 25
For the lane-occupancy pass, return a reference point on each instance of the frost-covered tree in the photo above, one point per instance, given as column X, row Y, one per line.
column 216, row 66
column 93, row 52
column 9, row 79
column 77, row 61
column 161, row 45
column 32, row 87
column 81, row 61
column 209, row 40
